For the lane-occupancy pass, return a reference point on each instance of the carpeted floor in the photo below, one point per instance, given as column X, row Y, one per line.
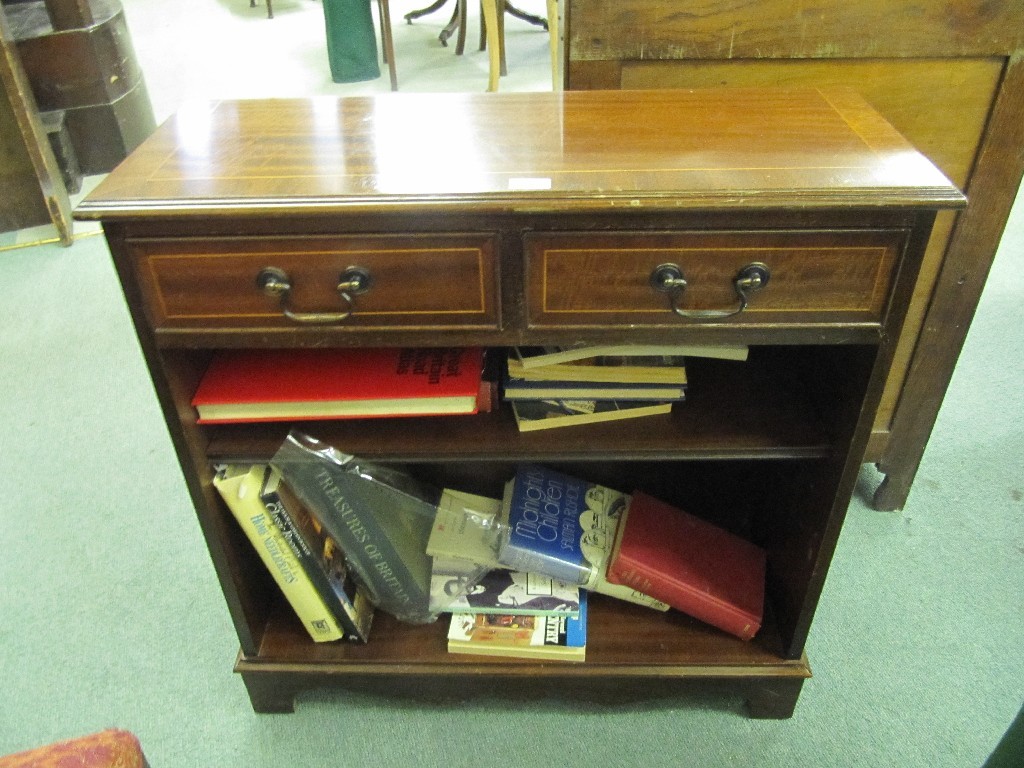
column 110, row 614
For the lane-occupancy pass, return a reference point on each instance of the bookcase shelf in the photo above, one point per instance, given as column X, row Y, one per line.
column 621, row 635
column 555, row 243
column 757, row 408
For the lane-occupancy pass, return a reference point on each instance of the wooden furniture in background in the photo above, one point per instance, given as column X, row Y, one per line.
column 552, row 230
column 949, row 74
column 34, row 192
column 79, row 59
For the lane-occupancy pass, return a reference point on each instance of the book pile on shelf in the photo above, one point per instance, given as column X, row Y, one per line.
column 344, row 538
column 551, row 387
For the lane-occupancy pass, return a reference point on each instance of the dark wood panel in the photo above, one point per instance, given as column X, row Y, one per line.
column 34, row 190
column 586, row 279
column 718, row 29
column 445, row 280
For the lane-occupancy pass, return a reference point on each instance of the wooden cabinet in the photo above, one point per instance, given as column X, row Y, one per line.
column 948, row 74
column 552, row 228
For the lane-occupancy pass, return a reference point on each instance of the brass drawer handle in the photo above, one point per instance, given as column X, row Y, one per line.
column 353, row 281
column 668, row 278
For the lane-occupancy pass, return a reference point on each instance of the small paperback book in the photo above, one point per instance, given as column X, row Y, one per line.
column 540, row 357
column 466, row 528
column 555, row 638
column 240, row 487
column 525, row 389
column 504, row 591
column 625, row 368
column 533, row 415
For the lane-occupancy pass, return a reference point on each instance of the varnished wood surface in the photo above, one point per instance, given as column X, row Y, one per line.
column 543, row 151
column 673, row 645
column 814, row 276
column 443, row 281
column 944, row 72
column 826, row 29
column 268, row 180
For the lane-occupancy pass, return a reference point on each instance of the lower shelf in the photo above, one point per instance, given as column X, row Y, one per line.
column 626, row 645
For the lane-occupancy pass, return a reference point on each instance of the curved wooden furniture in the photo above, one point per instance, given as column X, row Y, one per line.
column 949, row 74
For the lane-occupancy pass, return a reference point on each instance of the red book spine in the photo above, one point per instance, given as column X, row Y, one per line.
column 685, row 598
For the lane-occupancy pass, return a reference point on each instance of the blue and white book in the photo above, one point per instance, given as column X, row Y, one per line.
column 564, row 527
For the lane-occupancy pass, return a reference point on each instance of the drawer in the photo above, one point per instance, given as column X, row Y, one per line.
column 579, row 279
column 407, row 281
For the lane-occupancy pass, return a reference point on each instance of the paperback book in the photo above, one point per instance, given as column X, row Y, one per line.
column 555, row 638
column 240, row 488
column 533, row 415
column 524, row 389
column 320, row 555
column 633, row 368
column 502, row 591
column 466, row 528
column 537, row 357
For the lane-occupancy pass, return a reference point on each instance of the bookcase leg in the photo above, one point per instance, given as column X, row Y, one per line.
column 269, row 695
column 775, row 700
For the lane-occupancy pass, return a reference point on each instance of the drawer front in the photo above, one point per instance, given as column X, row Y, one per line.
column 414, row 281
column 584, row 279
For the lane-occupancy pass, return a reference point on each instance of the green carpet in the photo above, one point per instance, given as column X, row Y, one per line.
column 111, row 615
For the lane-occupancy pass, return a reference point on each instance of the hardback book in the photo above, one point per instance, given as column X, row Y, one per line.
column 694, row 566
column 555, row 638
column 536, row 357
column 533, row 415
column 623, row 369
column 247, row 385
column 379, row 515
column 504, row 591
column 320, row 556
column 564, row 527
column 240, row 488
column 524, row 389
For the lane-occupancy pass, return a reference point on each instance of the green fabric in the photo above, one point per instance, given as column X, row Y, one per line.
column 351, row 41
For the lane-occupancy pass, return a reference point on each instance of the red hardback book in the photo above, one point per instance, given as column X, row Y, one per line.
column 299, row 384
column 694, row 566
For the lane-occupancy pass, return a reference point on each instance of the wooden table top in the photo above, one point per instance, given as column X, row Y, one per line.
column 727, row 148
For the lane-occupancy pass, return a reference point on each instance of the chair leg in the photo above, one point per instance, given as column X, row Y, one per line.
column 270, row 10
column 490, row 13
column 387, row 41
column 553, row 30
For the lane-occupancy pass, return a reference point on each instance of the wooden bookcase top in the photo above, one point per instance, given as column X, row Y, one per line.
column 557, row 152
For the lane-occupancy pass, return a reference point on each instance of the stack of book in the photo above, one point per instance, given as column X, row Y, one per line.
column 516, row 578
column 552, row 387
